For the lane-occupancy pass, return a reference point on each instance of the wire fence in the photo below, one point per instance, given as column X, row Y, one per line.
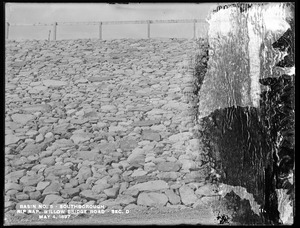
column 52, row 32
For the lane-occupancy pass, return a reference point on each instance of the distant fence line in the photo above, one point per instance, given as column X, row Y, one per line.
column 100, row 23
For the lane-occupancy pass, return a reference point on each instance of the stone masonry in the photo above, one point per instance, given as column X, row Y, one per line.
column 103, row 122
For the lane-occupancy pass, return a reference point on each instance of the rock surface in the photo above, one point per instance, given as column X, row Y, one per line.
column 101, row 121
column 152, row 199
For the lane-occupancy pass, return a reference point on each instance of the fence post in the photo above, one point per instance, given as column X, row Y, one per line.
column 49, row 34
column 194, row 29
column 100, row 30
column 148, row 22
column 54, row 30
column 7, row 30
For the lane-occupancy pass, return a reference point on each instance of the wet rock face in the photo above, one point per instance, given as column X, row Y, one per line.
column 278, row 112
column 279, row 105
column 242, row 212
column 244, row 143
column 251, row 139
column 236, row 139
column 284, row 44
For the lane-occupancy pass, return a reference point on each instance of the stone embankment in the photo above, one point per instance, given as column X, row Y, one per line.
column 103, row 122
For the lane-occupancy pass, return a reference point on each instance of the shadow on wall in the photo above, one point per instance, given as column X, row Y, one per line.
column 250, row 134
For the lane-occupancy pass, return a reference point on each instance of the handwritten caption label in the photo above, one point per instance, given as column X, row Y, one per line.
column 64, row 211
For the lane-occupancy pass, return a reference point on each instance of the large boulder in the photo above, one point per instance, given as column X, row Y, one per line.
column 151, row 186
column 187, row 195
column 152, row 199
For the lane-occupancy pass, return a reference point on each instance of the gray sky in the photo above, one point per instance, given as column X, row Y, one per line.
column 50, row 12
column 31, row 13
